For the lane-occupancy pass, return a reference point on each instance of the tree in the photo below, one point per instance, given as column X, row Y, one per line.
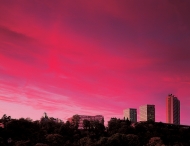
column 102, row 141
column 86, row 124
column 41, row 144
column 2, row 142
column 132, row 140
column 113, row 125
column 98, row 128
column 128, row 122
column 55, row 140
column 123, row 140
column 5, row 118
column 155, row 141
column 19, row 129
column 75, row 121
column 115, row 140
column 85, row 141
column 66, row 130
column 22, row 143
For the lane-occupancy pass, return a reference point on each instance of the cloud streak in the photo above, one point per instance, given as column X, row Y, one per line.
column 94, row 57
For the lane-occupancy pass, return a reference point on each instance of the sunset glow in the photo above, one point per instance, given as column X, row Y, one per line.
column 93, row 57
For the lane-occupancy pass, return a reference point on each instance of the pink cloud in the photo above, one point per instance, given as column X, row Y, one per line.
column 94, row 57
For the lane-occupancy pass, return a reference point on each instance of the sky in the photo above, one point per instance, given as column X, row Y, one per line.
column 97, row 57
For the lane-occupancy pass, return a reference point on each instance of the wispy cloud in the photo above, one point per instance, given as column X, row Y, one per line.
column 94, row 57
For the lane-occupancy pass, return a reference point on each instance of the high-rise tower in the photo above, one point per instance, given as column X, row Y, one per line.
column 131, row 114
column 172, row 110
column 147, row 112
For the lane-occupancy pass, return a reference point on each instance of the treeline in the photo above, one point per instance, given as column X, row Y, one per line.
column 47, row 132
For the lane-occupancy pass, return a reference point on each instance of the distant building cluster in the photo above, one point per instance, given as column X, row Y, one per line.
column 147, row 112
column 99, row 118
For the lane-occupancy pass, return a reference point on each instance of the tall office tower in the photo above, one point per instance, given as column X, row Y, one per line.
column 131, row 114
column 172, row 110
column 147, row 112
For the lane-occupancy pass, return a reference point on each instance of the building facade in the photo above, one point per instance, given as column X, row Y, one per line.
column 99, row 118
column 147, row 112
column 172, row 110
column 131, row 114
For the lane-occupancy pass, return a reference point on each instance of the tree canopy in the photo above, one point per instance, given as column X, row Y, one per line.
column 21, row 132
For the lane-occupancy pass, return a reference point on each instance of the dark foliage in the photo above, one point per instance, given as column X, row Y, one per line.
column 48, row 132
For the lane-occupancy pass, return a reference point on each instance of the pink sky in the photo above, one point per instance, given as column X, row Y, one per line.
column 93, row 57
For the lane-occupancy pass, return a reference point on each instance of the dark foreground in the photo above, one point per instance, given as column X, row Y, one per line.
column 47, row 132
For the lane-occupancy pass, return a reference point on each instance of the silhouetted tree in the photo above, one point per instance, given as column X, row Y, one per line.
column 128, row 122
column 23, row 132
column 75, row 121
column 85, row 141
column 132, row 140
column 86, row 124
column 55, row 140
column 2, row 142
column 41, row 144
column 5, row 119
column 22, row 143
column 102, row 141
column 155, row 141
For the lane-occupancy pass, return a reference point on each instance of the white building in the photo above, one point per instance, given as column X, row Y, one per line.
column 147, row 112
column 131, row 114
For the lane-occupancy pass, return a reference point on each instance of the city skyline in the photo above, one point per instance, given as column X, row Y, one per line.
column 93, row 57
column 146, row 113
